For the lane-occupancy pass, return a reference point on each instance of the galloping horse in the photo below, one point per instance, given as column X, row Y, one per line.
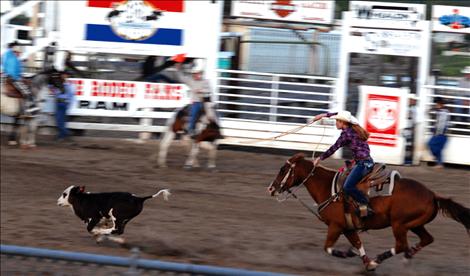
column 410, row 207
column 208, row 134
column 11, row 106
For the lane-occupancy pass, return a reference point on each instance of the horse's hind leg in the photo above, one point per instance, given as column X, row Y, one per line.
column 424, row 236
column 13, row 136
column 356, row 242
column 212, row 155
column 192, row 158
column 401, row 245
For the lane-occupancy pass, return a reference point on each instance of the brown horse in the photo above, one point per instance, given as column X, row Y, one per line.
column 208, row 134
column 410, row 207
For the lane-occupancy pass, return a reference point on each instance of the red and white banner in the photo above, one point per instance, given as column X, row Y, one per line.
column 94, row 97
column 318, row 12
column 383, row 113
column 141, row 27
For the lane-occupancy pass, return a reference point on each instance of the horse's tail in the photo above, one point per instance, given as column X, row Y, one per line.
column 454, row 210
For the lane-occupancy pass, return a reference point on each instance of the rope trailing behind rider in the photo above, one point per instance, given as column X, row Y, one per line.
column 354, row 137
column 12, row 69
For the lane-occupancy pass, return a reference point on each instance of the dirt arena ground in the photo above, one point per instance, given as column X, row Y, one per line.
column 222, row 217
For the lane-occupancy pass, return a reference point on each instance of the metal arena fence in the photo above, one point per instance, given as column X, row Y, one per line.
column 20, row 260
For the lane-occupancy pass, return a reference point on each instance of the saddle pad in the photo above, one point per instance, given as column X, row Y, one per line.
column 386, row 188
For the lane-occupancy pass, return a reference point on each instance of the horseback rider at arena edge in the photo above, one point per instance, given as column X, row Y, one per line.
column 12, row 69
column 200, row 91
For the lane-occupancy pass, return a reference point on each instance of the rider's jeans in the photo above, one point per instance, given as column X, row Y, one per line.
column 61, row 120
column 195, row 109
column 359, row 170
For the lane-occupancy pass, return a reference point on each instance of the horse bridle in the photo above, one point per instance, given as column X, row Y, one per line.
column 320, row 207
column 286, row 177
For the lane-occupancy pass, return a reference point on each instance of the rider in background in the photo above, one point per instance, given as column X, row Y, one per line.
column 200, row 91
column 63, row 95
column 438, row 140
column 354, row 137
column 12, row 69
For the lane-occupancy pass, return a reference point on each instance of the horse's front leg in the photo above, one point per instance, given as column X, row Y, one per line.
column 163, row 148
column 356, row 242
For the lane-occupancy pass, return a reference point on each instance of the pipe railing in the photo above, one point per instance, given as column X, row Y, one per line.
column 132, row 262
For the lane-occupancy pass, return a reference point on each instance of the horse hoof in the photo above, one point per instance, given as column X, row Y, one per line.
column 371, row 266
column 12, row 143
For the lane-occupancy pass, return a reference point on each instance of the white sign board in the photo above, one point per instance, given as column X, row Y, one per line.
column 451, row 19
column 95, row 97
column 149, row 27
column 385, row 42
column 317, row 12
column 383, row 113
column 387, row 15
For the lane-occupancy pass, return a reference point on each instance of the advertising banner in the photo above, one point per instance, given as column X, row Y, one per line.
column 317, row 12
column 96, row 97
column 386, row 42
column 451, row 19
column 144, row 27
column 387, row 15
column 383, row 113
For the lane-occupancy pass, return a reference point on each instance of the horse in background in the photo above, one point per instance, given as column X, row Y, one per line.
column 11, row 101
column 208, row 134
column 409, row 208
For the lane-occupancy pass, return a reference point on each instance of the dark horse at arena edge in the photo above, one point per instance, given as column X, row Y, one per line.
column 410, row 207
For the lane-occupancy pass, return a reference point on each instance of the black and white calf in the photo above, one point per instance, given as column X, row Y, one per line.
column 119, row 207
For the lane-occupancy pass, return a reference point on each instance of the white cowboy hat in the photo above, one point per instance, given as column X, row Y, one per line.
column 345, row 116
column 466, row 70
column 198, row 66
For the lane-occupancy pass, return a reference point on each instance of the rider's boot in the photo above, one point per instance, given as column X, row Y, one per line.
column 365, row 210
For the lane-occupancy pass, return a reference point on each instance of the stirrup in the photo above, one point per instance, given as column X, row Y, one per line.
column 364, row 210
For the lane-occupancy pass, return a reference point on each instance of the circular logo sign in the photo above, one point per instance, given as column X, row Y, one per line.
column 382, row 115
column 134, row 20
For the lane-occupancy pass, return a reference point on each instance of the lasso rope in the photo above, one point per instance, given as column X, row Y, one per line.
column 293, row 130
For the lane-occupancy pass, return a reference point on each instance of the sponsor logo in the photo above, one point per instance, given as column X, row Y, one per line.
column 382, row 115
column 388, row 13
column 97, row 105
column 455, row 20
column 134, row 20
column 283, row 7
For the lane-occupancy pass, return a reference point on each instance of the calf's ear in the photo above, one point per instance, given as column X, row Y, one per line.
column 82, row 189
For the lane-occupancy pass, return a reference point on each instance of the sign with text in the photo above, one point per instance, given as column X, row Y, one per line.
column 387, row 15
column 140, row 27
column 385, row 42
column 383, row 113
column 451, row 19
column 317, row 12
column 123, row 98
